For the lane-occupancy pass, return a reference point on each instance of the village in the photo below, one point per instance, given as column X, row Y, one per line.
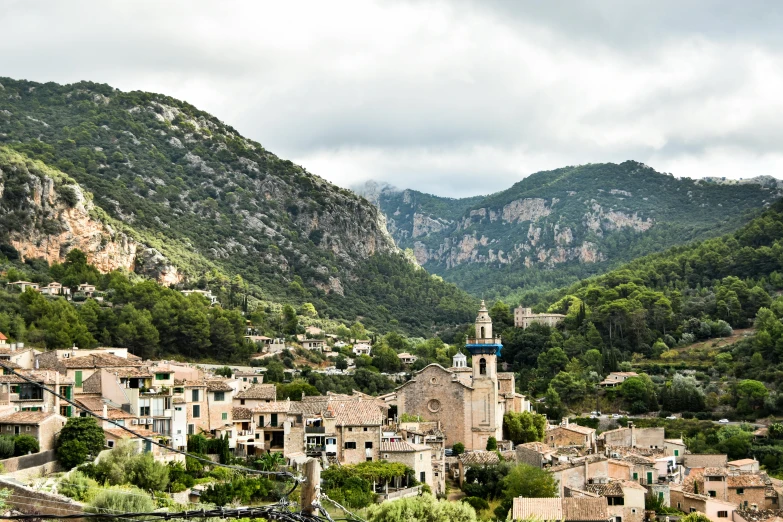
column 612, row 476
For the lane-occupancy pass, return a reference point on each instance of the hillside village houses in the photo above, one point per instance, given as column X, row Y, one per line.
column 524, row 317
column 601, row 476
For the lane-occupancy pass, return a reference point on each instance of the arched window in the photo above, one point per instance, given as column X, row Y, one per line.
column 482, row 332
column 483, row 366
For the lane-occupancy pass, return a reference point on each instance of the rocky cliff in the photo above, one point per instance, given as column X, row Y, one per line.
column 587, row 215
column 190, row 186
column 44, row 214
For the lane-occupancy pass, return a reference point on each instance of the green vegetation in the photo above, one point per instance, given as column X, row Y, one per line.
column 596, row 204
column 80, row 439
column 523, row 427
column 422, row 509
column 214, row 203
column 353, row 485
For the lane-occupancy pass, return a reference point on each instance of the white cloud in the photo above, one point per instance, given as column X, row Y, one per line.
column 452, row 98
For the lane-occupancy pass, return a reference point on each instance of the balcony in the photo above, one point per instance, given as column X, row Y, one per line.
column 315, row 449
column 245, row 433
column 315, row 429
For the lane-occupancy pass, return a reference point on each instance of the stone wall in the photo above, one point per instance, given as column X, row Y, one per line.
column 27, row 461
column 31, row 501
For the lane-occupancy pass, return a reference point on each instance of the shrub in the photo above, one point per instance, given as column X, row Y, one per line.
column 122, row 500
column 476, row 503
column 80, row 439
column 492, row 444
column 458, row 448
column 7, row 446
column 77, row 486
column 25, row 444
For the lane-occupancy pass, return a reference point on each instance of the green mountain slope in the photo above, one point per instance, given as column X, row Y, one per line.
column 196, row 195
column 555, row 227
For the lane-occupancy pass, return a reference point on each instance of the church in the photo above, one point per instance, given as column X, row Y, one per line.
column 469, row 402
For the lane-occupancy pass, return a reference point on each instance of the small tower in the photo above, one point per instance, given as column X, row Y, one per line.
column 459, row 360
column 486, row 408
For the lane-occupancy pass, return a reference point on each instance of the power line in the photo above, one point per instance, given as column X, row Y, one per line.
column 271, row 512
column 278, row 474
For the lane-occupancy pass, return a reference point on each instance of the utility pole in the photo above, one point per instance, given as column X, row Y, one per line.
column 311, row 488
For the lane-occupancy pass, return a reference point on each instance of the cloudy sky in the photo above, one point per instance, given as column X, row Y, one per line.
column 455, row 98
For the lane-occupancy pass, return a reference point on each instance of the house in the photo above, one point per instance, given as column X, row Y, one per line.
column 43, row 425
column 569, row 509
column 632, row 437
column 715, row 509
column 204, row 293
column 625, row 499
column 314, row 344
column 416, row 456
column 255, row 395
column 54, row 288
column 476, row 458
column 567, row 434
column 340, row 344
column 747, row 490
column 524, row 317
column 361, row 347
column 19, row 395
column 616, row 379
column 699, row 460
column 79, row 367
column 86, row 289
column 406, row 358
column 576, row 472
column 207, row 405
column 751, row 465
column 245, row 442
column 261, row 340
column 535, row 454
column 3, row 340
column 22, row 285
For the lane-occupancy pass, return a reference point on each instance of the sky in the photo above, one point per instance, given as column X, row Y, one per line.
column 453, row 98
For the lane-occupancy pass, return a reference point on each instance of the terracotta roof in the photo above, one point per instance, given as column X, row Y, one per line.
column 238, row 413
column 536, row 446
column 751, row 480
column 638, row 459
column 273, row 407
column 258, row 391
column 356, row 413
column 218, row 385
column 544, row 509
column 584, row 430
column 27, row 417
column 93, row 383
column 402, row 447
column 122, row 434
column 609, row 489
column 585, row 509
column 98, row 360
column 3, row 337
column 715, row 472
column 130, row 373
column 480, row 457
column 742, row 462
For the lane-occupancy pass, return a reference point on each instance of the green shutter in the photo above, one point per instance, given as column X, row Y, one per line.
column 649, row 477
column 636, row 476
column 78, row 378
column 676, row 453
column 225, row 416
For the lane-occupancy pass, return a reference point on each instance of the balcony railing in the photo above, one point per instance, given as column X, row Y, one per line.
column 315, row 429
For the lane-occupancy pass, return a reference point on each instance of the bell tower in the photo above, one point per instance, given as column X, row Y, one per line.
column 487, row 417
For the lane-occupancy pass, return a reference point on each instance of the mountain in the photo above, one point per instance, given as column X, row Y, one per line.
column 146, row 182
column 555, row 227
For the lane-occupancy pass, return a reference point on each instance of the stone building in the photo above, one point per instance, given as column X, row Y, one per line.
column 570, row 435
column 625, row 499
column 469, row 403
column 43, row 425
column 524, row 317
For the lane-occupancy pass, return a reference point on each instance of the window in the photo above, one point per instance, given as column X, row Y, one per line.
column 220, row 396
column 224, row 416
column 144, row 411
column 679, row 506
column 365, row 429
column 179, row 390
column 368, row 445
column 191, row 429
column 161, row 376
column 740, row 491
column 273, row 422
column 110, row 443
column 350, row 429
column 242, row 402
column 196, row 411
column 636, row 476
column 261, row 420
column 723, row 514
column 27, row 428
column 194, row 396
column 350, row 445
column 483, row 366
column 78, row 378
column 423, row 477
column 676, row 453
column 713, row 493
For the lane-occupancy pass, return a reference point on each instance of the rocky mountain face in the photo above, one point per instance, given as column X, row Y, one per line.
column 587, row 216
column 163, row 167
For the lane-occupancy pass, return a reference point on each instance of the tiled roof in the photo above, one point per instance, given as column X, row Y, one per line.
column 26, row 417
column 402, row 447
column 93, row 383
column 273, row 407
column 131, row 373
column 609, row 489
column 238, row 413
column 258, row 391
column 544, row 509
column 638, row 459
column 480, row 457
column 122, row 434
column 356, row 413
column 99, row 360
column 584, row 430
column 751, row 480
column 3, row 337
column 742, row 462
column 218, row 385
column 585, row 509
column 715, row 472
column 536, row 446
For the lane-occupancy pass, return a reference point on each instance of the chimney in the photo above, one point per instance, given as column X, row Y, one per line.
column 105, row 411
column 565, row 421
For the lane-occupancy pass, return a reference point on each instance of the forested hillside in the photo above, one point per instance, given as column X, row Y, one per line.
column 556, row 227
column 187, row 199
column 663, row 314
